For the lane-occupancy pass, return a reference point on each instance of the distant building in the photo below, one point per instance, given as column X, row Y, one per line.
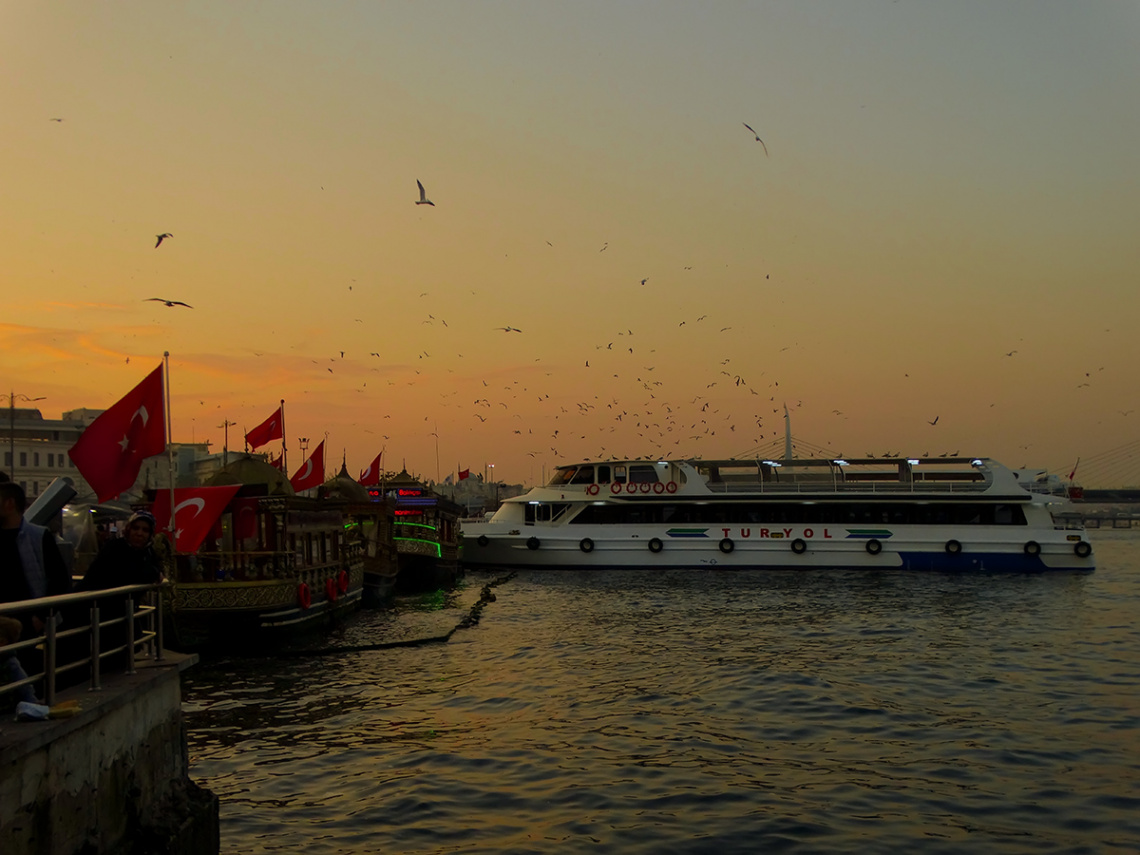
column 35, row 454
column 35, row 448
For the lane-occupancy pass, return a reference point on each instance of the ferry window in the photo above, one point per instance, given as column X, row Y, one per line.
column 643, row 474
column 619, row 474
column 562, row 476
column 584, row 475
column 603, row 474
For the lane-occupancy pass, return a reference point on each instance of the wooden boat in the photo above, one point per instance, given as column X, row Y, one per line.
column 279, row 565
column 426, row 534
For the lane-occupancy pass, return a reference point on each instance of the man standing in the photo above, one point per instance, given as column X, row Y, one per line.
column 31, row 565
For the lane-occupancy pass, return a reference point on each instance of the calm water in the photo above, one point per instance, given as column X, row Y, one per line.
column 699, row 711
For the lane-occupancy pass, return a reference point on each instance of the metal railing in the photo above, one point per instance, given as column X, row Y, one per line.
column 138, row 602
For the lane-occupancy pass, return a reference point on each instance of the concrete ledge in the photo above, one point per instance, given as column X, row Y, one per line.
column 112, row 778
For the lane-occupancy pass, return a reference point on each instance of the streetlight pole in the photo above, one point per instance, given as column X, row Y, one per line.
column 12, row 398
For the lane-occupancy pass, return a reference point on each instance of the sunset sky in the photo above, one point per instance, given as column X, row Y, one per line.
column 944, row 184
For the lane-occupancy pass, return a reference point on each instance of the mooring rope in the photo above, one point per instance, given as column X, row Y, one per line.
column 469, row 620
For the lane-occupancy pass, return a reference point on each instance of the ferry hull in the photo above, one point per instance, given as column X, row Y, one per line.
column 836, row 550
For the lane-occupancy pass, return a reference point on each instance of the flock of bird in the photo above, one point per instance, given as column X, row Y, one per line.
column 659, row 422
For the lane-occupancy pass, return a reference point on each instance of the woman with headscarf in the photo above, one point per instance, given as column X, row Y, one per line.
column 127, row 560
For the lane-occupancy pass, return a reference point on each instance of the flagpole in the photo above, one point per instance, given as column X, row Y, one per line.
column 169, row 444
column 284, row 457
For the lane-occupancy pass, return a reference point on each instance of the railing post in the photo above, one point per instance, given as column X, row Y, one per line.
column 49, row 659
column 158, row 598
column 130, row 617
column 95, row 684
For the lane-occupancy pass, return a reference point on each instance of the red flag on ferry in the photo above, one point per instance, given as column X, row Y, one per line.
column 312, row 471
column 270, row 429
column 111, row 450
column 196, row 509
column 464, row 474
column 372, row 474
column 278, row 462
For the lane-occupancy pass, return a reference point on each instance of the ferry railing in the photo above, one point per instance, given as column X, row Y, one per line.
column 791, row 487
column 138, row 602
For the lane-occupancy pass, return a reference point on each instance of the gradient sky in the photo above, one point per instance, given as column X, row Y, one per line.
column 945, row 183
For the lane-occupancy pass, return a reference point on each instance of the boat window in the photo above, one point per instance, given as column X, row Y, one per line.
column 562, row 476
column 619, row 474
column 643, row 473
column 798, row 513
column 584, row 475
column 603, row 474
column 545, row 512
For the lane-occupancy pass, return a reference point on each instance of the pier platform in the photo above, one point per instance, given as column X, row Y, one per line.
column 112, row 778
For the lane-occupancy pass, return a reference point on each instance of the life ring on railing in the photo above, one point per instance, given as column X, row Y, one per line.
column 799, row 546
column 631, row 487
column 615, row 488
column 304, row 596
column 532, row 543
column 953, row 547
column 671, row 487
column 592, row 490
column 586, row 545
column 873, row 546
column 655, row 545
column 1032, row 548
column 1083, row 549
column 342, row 582
column 482, row 540
column 330, row 589
column 645, row 487
column 726, row 545
column 658, row 487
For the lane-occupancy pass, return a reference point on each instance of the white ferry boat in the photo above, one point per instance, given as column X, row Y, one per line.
column 960, row 513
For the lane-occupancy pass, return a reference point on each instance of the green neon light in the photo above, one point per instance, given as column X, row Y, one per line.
column 417, row 525
column 438, row 548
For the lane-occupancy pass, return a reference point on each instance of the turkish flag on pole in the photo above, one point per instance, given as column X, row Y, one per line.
column 276, row 462
column 464, row 474
column 312, row 471
column 372, row 474
column 270, row 429
column 110, row 452
column 196, row 509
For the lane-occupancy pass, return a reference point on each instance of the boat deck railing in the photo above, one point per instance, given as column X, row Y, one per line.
column 844, row 486
column 69, row 643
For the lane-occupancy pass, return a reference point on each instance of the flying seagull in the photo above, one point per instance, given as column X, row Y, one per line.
column 168, row 303
column 161, row 238
column 935, row 421
column 509, row 329
column 424, row 200
column 757, row 137
column 55, row 120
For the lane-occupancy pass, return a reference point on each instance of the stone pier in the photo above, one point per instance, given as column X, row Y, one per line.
column 111, row 779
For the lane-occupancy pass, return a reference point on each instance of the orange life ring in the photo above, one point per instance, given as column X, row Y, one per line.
column 671, row 487
column 592, row 490
column 658, row 487
column 330, row 589
column 615, row 488
column 304, row 596
column 342, row 582
column 631, row 487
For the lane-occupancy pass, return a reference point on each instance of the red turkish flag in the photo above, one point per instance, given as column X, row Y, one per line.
column 270, row 429
column 278, row 462
column 196, row 509
column 464, row 474
column 372, row 474
column 111, row 450
column 312, row 471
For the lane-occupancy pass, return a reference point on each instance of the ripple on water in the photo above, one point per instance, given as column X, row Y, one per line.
column 698, row 712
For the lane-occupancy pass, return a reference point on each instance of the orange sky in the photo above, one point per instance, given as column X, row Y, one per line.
column 944, row 184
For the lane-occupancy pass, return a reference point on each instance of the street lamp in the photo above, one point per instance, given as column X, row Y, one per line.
column 12, row 399
column 304, row 441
